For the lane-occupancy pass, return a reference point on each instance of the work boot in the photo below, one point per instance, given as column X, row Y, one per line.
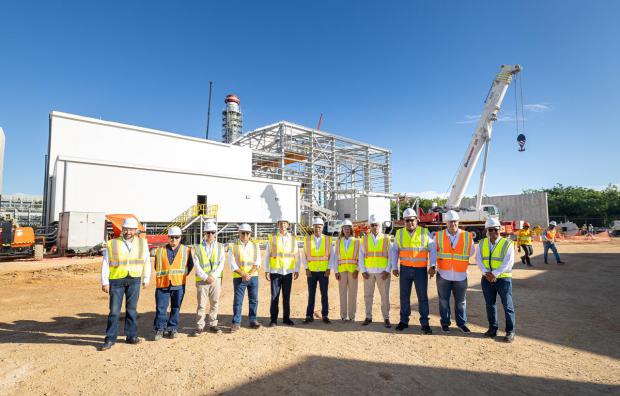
column 133, row 340
column 196, row 333
column 445, row 328
column 159, row 334
column 465, row 329
column 215, row 329
column 366, row 322
column 309, row 319
column 288, row 322
column 234, row 328
column 255, row 325
column 561, row 262
column 387, row 323
column 174, row 333
column 491, row 333
column 426, row 329
column 401, row 326
column 510, row 337
column 326, row 320
column 106, row 345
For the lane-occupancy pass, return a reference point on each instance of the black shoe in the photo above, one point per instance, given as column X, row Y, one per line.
column 366, row 322
column 465, row 329
column 196, row 333
column 172, row 334
column 401, row 326
column 561, row 262
column 234, row 328
column 426, row 329
column 510, row 337
column 387, row 323
column 106, row 345
column 309, row 320
column 491, row 333
column 273, row 324
column 255, row 325
column 445, row 328
column 546, row 263
column 326, row 320
column 159, row 334
column 529, row 265
column 215, row 329
column 133, row 340
column 288, row 322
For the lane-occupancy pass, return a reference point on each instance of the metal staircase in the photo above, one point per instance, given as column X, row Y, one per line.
column 192, row 214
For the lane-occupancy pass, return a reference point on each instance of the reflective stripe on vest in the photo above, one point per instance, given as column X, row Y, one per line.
column 348, row 258
column 205, row 261
column 524, row 237
column 453, row 259
column 122, row 262
column 413, row 249
column 317, row 257
column 493, row 260
column 244, row 263
column 376, row 254
column 174, row 274
column 278, row 258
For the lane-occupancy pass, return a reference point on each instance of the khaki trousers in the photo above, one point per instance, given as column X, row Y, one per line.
column 384, row 292
column 210, row 293
column 347, row 286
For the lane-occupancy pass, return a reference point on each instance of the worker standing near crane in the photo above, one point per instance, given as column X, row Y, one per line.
column 375, row 269
column 454, row 249
column 495, row 259
column 172, row 264
column 345, row 259
column 126, row 263
column 209, row 261
column 549, row 237
column 245, row 259
column 315, row 260
column 415, row 249
column 281, row 268
column 524, row 241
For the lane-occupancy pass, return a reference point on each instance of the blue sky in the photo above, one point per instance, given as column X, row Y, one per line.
column 409, row 76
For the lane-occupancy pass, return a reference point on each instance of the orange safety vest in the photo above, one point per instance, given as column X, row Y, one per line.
column 413, row 249
column 453, row 258
column 174, row 274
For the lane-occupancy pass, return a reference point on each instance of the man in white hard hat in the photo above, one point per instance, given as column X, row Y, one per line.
column 495, row 258
column 454, row 249
column 245, row 260
column 375, row 268
column 281, row 268
column 414, row 248
column 315, row 258
column 549, row 237
column 209, row 261
column 172, row 264
column 126, row 263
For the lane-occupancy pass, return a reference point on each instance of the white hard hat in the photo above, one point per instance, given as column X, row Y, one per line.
column 130, row 222
column 174, row 231
column 245, row 227
column 372, row 219
column 347, row 222
column 281, row 219
column 492, row 222
column 451, row 215
column 409, row 212
column 553, row 223
column 210, row 226
column 317, row 221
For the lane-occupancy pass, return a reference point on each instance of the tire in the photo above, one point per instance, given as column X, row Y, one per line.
column 477, row 233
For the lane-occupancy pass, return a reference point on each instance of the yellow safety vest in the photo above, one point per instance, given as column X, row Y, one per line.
column 123, row 262
column 348, row 258
column 524, row 237
column 278, row 258
column 376, row 254
column 317, row 256
column 493, row 260
column 413, row 249
column 205, row 261
column 245, row 263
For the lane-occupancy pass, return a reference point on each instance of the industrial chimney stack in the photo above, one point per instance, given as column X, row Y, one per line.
column 232, row 119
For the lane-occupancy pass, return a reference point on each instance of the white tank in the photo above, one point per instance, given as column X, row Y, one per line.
column 1, row 160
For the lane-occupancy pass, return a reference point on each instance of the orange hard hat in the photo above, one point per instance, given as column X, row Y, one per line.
column 526, row 224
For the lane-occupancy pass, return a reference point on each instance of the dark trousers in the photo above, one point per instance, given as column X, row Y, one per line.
column 527, row 252
column 444, row 289
column 280, row 283
column 503, row 287
column 323, row 281
column 419, row 277
column 130, row 289
column 240, row 286
column 164, row 296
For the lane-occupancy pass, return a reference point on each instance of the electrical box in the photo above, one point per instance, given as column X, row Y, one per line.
column 80, row 231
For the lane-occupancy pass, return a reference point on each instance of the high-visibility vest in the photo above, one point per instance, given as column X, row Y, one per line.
column 278, row 257
column 122, row 262
column 453, row 258
column 524, row 237
column 413, row 249
column 348, row 258
column 317, row 257
column 205, row 261
column 245, row 263
column 549, row 235
column 174, row 274
column 493, row 260
column 376, row 254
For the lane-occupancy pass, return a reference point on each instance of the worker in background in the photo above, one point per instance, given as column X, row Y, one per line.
column 524, row 241
column 495, row 258
column 126, row 263
column 590, row 229
column 315, row 259
column 209, row 261
column 454, row 249
column 345, row 259
column 281, row 268
column 415, row 249
column 549, row 237
column 245, row 259
column 172, row 264
column 375, row 269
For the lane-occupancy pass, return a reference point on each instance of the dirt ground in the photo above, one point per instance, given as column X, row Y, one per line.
column 568, row 339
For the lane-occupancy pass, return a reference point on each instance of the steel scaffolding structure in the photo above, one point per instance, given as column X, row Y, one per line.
column 329, row 167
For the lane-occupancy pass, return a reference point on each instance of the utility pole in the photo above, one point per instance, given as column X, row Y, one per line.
column 209, row 110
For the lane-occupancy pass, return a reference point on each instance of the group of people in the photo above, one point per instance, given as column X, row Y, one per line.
column 548, row 236
column 414, row 256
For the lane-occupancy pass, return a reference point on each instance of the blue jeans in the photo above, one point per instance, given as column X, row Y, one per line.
column 239, row 290
column 323, row 281
column 459, row 289
column 503, row 287
column 163, row 296
column 419, row 277
column 130, row 289
column 549, row 245
column 280, row 283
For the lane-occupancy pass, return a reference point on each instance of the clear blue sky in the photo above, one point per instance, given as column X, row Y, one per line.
column 404, row 75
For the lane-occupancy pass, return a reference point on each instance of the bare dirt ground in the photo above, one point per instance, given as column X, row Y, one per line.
column 568, row 339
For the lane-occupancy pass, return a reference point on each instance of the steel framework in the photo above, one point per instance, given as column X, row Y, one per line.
column 329, row 167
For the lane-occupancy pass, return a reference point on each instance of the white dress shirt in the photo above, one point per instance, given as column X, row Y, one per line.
column 451, row 275
column 507, row 264
column 245, row 252
column 432, row 251
column 361, row 265
column 302, row 253
column 217, row 266
column 127, row 246
column 286, row 241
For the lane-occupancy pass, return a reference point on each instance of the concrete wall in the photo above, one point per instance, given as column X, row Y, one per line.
column 379, row 206
column 527, row 207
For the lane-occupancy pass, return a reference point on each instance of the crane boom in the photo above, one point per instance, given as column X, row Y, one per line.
column 481, row 138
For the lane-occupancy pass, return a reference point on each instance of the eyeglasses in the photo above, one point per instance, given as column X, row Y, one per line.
column 374, row 225
column 209, row 232
column 244, row 232
column 174, row 237
column 492, row 229
column 410, row 220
